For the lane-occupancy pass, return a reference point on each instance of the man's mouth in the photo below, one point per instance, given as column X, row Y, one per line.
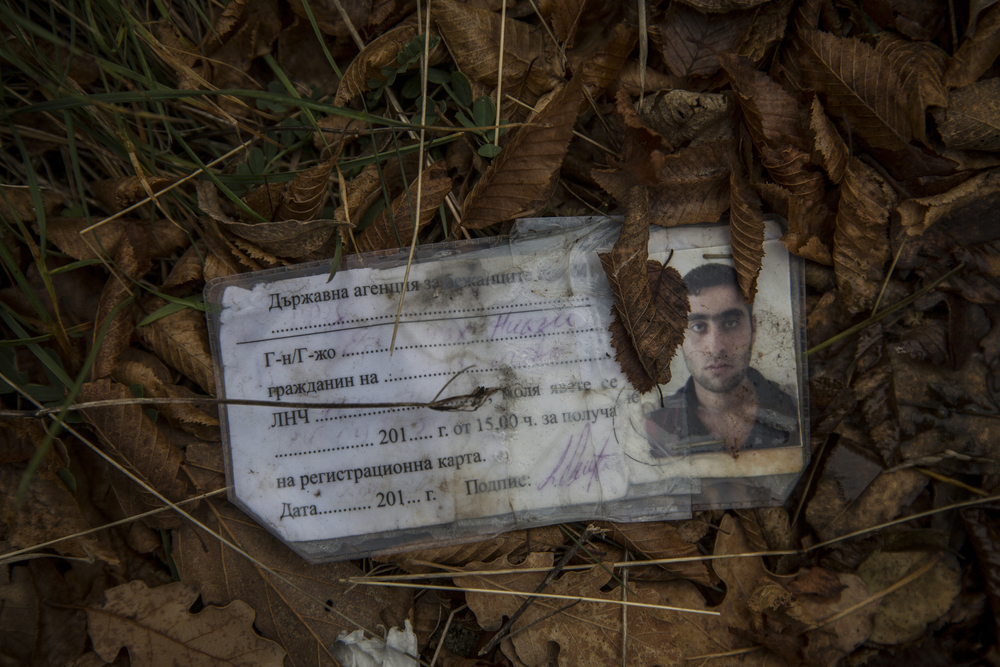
column 717, row 368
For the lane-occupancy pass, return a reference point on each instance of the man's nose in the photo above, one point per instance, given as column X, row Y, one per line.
column 716, row 341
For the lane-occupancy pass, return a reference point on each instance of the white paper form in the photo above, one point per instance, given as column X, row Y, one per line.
column 530, row 318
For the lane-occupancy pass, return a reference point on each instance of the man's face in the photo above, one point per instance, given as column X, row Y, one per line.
column 718, row 339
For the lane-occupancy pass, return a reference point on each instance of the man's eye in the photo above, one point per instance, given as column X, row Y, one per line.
column 732, row 324
column 697, row 327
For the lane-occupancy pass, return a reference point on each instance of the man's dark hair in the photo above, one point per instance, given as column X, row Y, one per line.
column 713, row 275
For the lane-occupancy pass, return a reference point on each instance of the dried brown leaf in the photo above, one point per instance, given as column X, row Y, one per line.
column 628, row 79
column 690, row 40
column 861, row 240
column 159, row 631
column 684, row 118
column 601, row 71
column 977, row 51
column 65, row 234
column 263, row 201
column 290, row 239
column 361, row 194
column 181, row 341
column 583, row 631
column 18, row 614
column 49, row 511
column 746, row 229
column 141, row 368
column 305, row 195
column 565, row 18
column 858, row 85
column 972, row 120
column 189, row 269
column 303, row 627
column 368, row 64
column 769, row 25
column 660, row 539
column 829, row 150
column 773, row 117
column 653, row 324
column 518, row 177
column 119, row 193
column 132, row 261
column 920, row 66
column 473, row 38
column 719, row 6
column 396, row 230
column 142, row 448
column 16, row 203
column 917, row 215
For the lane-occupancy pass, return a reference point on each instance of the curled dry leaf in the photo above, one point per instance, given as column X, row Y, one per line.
column 473, row 38
column 141, row 446
column 394, row 227
column 746, row 228
column 977, row 52
column 861, row 240
column 306, row 629
column 132, row 261
column 159, row 631
column 600, row 71
column 647, row 327
column 16, row 203
column 773, row 117
column 181, row 341
column 829, row 150
column 49, row 511
column 304, row 196
column 368, row 64
column 119, row 193
column 691, row 41
column 972, row 120
column 682, row 117
column 519, row 177
column 858, row 85
column 188, row 270
column 586, row 632
column 920, row 66
column 917, row 215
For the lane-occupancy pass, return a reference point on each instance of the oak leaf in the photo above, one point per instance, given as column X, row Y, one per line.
column 180, row 340
column 829, row 150
column 691, row 41
column 142, row 448
column 647, row 327
column 746, row 229
column 519, row 177
column 858, row 85
column 861, row 240
column 306, row 629
column 394, row 227
column 512, row 545
column 972, row 119
column 159, row 631
column 588, row 633
column 48, row 512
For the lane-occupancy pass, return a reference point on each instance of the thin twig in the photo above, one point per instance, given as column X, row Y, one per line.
column 461, row 403
column 444, row 633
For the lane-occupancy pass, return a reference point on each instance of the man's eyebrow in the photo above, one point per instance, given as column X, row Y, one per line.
column 724, row 315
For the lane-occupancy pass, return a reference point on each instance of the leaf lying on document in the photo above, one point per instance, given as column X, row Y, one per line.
column 648, row 323
column 159, row 631
column 588, row 633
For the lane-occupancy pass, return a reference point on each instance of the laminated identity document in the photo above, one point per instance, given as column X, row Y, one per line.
column 563, row 437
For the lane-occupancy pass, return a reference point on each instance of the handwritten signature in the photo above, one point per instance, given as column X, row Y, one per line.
column 506, row 325
column 578, row 462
